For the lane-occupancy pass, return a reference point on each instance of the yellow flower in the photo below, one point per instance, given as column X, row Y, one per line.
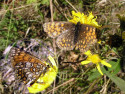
column 99, row 41
column 45, row 81
column 84, row 19
column 94, row 58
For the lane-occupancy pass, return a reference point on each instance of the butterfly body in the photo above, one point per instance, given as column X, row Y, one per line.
column 69, row 36
column 77, row 29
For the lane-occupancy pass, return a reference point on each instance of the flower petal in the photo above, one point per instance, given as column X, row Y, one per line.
column 99, row 69
column 45, row 80
column 84, row 19
column 88, row 53
column 105, row 63
column 85, row 62
column 99, row 41
column 52, row 60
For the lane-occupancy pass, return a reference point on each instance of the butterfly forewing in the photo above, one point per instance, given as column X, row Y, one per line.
column 54, row 29
column 27, row 67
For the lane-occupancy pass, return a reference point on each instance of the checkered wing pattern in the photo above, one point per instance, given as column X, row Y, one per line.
column 86, row 38
column 54, row 29
column 27, row 67
column 66, row 41
column 70, row 36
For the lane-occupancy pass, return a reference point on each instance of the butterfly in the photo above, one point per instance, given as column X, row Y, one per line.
column 69, row 35
column 27, row 67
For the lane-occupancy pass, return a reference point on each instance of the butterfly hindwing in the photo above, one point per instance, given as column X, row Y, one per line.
column 87, row 37
column 66, row 41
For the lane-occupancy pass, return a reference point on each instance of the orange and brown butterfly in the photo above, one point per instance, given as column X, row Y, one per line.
column 69, row 35
column 28, row 68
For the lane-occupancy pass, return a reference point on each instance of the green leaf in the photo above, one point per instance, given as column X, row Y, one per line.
column 55, row 15
column 116, row 67
column 31, row 1
column 94, row 75
column 46, row 2
column 41, row 14
column 118, row 81
column 122, row 21
column 14, row 28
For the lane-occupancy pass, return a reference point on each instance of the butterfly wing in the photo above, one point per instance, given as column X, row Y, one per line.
column 66, row 41
column 86, row 38
column 54, row 29
column 27, row 67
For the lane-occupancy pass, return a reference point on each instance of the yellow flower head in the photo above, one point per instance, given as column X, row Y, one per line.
column 84, row 19
column 45, row 81
column 94, row 58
